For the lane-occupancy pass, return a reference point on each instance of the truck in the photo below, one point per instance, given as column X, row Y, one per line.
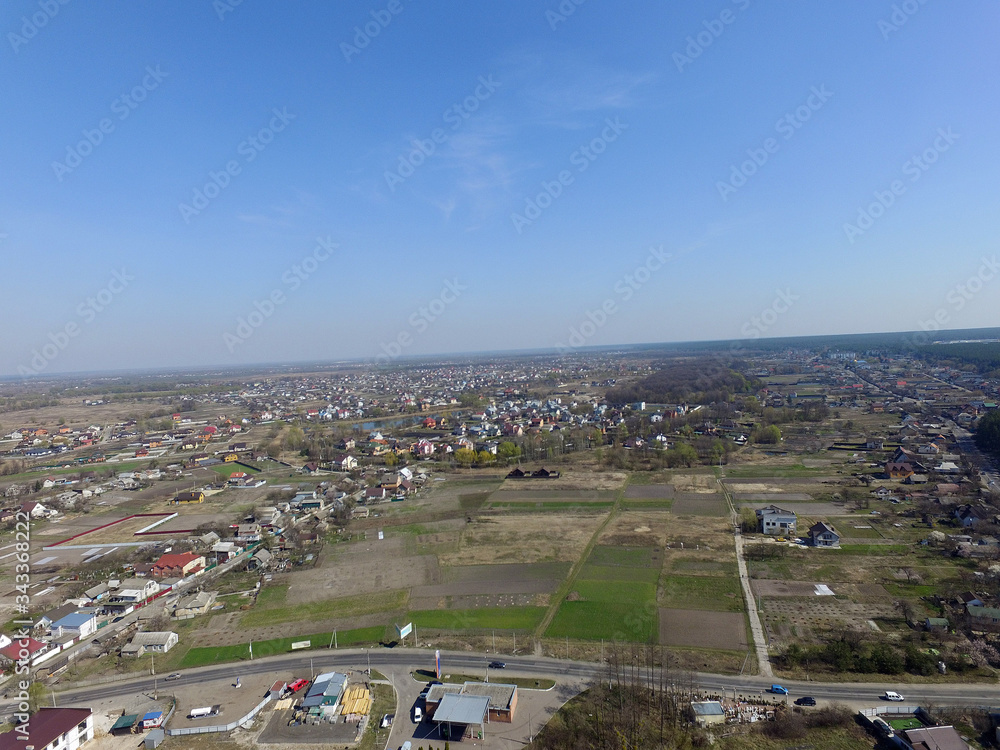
column 201, row 713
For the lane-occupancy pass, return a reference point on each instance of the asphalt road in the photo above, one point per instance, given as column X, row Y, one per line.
column 461, row 662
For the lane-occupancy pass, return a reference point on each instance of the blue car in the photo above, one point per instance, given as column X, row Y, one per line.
column 777, row 689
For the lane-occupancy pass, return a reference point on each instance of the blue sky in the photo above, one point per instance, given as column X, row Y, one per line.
column 634, row 117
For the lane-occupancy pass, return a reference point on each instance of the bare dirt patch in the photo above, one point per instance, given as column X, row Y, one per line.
column 695, row 628
column 571, row 480
column 524, row 538
column 650, row 491
column 698, row 504
column 695, row 483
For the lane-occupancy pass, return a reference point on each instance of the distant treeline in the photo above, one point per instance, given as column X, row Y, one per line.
column 695, row 382
column 984, row 357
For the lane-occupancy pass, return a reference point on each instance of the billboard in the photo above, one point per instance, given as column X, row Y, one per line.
column 301, row 644
column 405, row 630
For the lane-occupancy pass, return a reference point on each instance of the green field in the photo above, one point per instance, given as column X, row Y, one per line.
column 346, row 606
column 610, row 620
column 702, row 592
column 633, row 557
column 199, row 657
column 592, row 572
column 908, row 723
column 486, row 618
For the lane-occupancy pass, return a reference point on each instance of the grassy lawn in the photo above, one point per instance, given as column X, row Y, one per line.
column 346, row 606
column 226, row 470
column 909, row 723
column 702, row 592
column 610, row 620
column 633, row 557
column 272, row 596
column 499, row 618
column 199, row 657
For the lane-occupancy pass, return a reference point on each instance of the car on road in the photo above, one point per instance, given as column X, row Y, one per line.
column 892, row 696
column 805, row 700
column 778, row 690
column 498, row 665
column 118, row 619
column 173, row 676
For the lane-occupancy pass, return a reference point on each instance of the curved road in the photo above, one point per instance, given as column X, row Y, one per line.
column 851, row 693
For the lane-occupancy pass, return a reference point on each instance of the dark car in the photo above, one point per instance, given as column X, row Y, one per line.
column 497, row 664
column 118, row 619
column 805, row 700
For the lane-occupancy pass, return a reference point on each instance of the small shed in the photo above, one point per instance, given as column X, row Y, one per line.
column 708, row 712
column 125, row 724
column 153, row 739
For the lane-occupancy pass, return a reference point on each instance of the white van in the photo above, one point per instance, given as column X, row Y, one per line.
column 891, row 696
column 418, row 715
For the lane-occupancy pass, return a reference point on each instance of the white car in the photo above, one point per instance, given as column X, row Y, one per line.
column 891, row 696
column 418, row 715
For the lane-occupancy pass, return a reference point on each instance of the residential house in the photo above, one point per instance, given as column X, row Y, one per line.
column 823, row 534
column 154, row 642
column 777, row 521
column 194, row 605
column 971, row 515
column 187, row 498
column 76, row 624
column 177, row 565
column 895, row 470
column 224, row 551
column 942, row 737
column 345, row 462
column 52, row 729
column 132, row 592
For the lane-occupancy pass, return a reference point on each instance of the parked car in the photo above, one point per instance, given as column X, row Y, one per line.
column 418, row 715
column 892, row 696
column 805, row 700
column 778, row 690
column 498, row 665
column 298, row 685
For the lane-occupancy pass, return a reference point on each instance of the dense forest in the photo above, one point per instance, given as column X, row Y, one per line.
column 700, row 381
column 988, row 433
column 982, row 357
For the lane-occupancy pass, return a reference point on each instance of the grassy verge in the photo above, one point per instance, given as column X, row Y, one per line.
column 499, row 618
column 199, row 657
